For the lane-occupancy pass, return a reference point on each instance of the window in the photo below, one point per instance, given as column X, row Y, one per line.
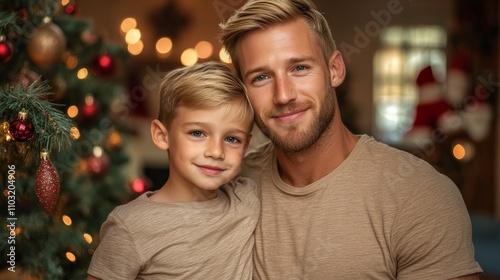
column 403, row 52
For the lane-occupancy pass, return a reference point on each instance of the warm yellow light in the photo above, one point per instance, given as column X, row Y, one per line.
column 82, row 73
column 66, row 220
column 87, row 237
column 164, row 45
column 128, row 24
column 64, row 2
column 133, row 36
column 97, row 151
column 70, row 256
column 224, row 56
column 6, row 192
column 135, row 49
column 459, row 151
column 89, row 99
column 72, row 111
column 189, row 57
column 74, row 132
column 204, row 49
column 71, row 62
column 18, row 230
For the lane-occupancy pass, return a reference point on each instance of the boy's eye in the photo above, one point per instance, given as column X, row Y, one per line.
column 197, row 133
column 233, row 140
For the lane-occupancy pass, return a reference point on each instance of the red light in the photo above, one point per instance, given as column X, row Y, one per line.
column 138, row 185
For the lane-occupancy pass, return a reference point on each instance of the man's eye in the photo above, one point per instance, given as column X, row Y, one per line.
column 196, row 133
column 300, row 68
column 260, row 78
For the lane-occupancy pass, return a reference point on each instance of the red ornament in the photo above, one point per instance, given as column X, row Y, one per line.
column 22, row 129
column 70, row 9
column 103, row 64
column 89, row 110
column 47, row 184
column 97, row 163
column 6, row 51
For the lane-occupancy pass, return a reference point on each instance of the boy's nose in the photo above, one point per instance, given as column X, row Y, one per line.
column 214, row 149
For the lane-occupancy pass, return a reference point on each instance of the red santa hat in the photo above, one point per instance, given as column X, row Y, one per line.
column 426, row 76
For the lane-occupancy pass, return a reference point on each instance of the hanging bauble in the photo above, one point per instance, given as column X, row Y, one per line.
column 89, row 110
column 6, row 50
column 47, row 44
column 70, row 9
column 97, row 162
column 47, row 184
column 22, row 129
column 27, row 77
column 103, row 65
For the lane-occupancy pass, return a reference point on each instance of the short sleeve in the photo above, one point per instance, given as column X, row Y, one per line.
column 116, row 257
column 433, row 235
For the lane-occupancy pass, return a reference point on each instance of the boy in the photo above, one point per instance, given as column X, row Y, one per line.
column 200, row 224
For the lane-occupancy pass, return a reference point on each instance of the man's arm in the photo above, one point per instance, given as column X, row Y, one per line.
column 90, row 277
column 468, row 277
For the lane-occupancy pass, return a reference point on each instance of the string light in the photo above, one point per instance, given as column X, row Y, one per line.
column 128, row 24
column 70, row 256
column 204, row 49
column 189, row 57
column 66, row 220
column 72, row 111
column 82, row 73
column 87, row 237
column 74, row 133
column 133, row 36
column 164, row 45
column 135, row 49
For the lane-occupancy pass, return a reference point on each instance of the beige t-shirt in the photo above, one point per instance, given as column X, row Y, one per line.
column 382, row 214
column 196, row 240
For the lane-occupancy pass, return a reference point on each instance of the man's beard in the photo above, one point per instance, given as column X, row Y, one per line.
column 302, row 140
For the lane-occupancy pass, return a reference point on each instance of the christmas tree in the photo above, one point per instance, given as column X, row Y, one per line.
column 61, row 146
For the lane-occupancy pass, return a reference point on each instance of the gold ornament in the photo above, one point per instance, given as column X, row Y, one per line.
column 47, row 44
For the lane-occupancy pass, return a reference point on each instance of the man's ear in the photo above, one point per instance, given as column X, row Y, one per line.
column 159, row 134
column 337, row 69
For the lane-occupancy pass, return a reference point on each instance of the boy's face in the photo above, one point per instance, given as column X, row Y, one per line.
column 206, row 147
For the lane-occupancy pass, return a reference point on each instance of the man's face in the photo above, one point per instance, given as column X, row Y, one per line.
column 288, row 84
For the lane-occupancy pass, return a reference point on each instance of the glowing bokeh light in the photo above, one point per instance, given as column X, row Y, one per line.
column 135, row 49
column 128, row 24
column 204, row 49
column 189, row 57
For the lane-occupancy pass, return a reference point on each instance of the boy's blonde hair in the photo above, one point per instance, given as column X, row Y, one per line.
column 208, row 85
column 260, row 14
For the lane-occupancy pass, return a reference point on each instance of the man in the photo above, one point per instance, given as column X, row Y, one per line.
column 334, row 205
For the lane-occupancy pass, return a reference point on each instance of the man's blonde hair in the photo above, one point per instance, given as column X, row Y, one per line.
column 208, row 85
column 261, row 14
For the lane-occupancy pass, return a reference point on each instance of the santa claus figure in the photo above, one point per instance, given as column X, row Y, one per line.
column 434, row 116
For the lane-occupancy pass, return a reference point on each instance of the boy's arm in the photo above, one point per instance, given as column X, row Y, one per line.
column 90, row 277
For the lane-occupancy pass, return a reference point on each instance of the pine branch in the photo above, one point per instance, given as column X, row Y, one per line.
column 52, row 127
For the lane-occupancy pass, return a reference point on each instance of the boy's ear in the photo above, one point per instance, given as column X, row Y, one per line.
column 159, row 134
